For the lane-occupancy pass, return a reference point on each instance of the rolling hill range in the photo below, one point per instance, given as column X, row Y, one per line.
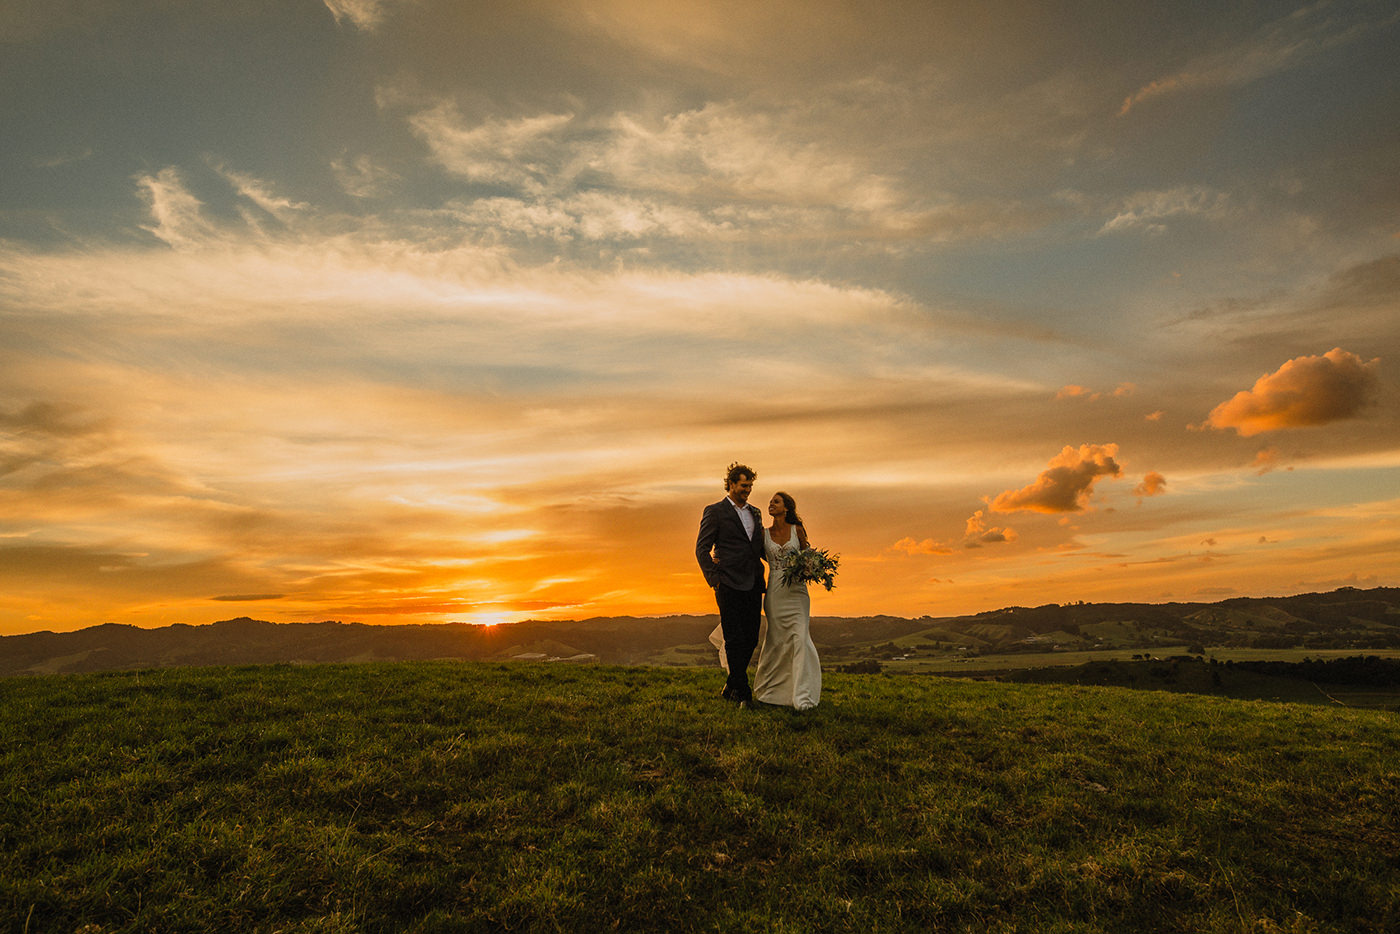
column 1344, row 619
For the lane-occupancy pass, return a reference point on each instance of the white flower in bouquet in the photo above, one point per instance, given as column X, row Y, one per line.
column 810, row 565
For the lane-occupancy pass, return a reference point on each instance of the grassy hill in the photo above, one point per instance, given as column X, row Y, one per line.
column 437, row 796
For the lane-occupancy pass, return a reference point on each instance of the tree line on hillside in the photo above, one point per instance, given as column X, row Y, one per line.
column 1358, row 670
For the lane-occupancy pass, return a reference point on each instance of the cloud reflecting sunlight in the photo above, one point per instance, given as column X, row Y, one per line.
column 467, row 326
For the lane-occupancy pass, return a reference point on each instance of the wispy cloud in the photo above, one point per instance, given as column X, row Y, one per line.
column 594, row 216
column 1149, row 211
column 1266, row 460
column 522, row 152
column 1280, row 45
column 260, row 193
column 363, row 14
column 69, row 157
column 208, row 453
column 362, row 177
column 720, row 172
column 176, row 214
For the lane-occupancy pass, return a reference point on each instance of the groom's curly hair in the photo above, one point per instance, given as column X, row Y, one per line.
column 737, row 470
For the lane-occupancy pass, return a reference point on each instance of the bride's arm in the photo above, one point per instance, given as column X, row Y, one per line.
column 802, row 536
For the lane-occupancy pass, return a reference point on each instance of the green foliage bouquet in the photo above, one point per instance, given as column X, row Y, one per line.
column 810, row 565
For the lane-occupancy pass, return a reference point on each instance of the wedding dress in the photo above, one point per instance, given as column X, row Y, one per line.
column 789, row 671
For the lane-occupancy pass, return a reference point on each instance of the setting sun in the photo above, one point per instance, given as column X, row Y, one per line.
column 435, row 316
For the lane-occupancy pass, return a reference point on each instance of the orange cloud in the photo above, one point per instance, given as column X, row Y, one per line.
column 1266, row 460
column 1066, row 484
column 1154, row 484
column 926, row 547
column 1075, row 391
column 978, row 533
column 1305, row 391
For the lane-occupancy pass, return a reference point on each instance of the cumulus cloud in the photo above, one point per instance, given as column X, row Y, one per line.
column 978, row 533
column 1066, row 484
column 1304, row 392
column 1153, row 484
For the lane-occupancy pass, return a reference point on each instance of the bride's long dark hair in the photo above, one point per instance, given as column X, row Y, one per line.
column 790, row 504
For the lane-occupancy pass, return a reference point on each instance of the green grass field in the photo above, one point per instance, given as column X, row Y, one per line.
column 480, row 797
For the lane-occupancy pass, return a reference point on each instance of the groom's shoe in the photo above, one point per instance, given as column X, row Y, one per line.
column 736, row 697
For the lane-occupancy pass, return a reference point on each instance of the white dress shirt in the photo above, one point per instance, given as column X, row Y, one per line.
column 745, row 517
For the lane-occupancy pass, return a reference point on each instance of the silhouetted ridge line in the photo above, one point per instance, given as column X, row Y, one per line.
column 1342, row 619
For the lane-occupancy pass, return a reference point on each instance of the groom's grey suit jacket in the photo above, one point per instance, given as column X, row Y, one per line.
column 726, row 554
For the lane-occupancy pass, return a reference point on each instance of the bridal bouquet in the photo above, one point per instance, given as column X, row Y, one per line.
column 809, row 565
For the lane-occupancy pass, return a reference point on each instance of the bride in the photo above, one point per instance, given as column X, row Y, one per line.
column 789, row 672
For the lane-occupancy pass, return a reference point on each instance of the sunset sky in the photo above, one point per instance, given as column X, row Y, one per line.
column 409, row 311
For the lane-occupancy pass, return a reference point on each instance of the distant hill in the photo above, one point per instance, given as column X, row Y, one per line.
column 1342, row 619
column 247, row 641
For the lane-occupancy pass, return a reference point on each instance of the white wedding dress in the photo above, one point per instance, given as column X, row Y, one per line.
column 789, row 671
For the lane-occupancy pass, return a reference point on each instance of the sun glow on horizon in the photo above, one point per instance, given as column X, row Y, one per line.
column 478, row 348
column 489, row 618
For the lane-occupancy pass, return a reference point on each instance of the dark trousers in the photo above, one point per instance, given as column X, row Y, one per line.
column 739, row 612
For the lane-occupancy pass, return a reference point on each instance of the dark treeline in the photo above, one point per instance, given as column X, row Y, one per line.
column 1365, row 670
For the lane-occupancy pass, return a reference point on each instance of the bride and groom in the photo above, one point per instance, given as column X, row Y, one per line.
column 731, row 548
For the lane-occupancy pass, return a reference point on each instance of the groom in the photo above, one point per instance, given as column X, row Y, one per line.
column 730, row 549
